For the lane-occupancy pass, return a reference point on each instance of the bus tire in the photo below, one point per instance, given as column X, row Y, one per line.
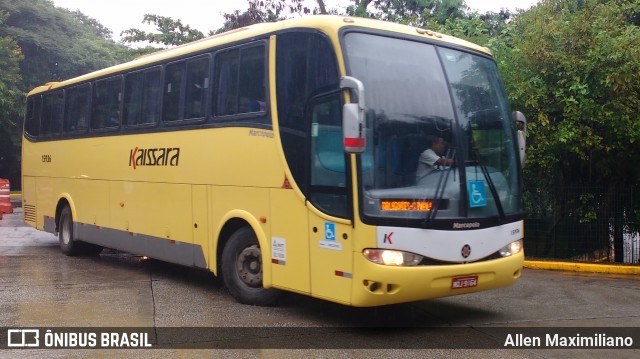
column 65, row 233
column 68, row 245
column 242, row 269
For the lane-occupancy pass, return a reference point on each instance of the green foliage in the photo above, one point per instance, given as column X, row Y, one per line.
column 10, row 103
column 447, row 16
column 99, row 29
column 10, row 78
column 574, row 67
column 170, row 32
column 267, row 11
column 419, row 13
column 40, row 43
column 56, row 43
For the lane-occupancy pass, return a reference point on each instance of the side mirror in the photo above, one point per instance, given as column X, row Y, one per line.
column 353, row 117
column 521, row 131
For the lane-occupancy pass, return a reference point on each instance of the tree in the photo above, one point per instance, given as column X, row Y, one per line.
column 267, row 11
column 99, row 29
column 419, row 13
column 577, row 71
column 56, row 43
column 10, row 78
column 40, row 43
column 170, row 32
column 574, row 67
column 10, row 104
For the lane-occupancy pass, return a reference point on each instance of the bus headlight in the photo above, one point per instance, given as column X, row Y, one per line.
column 511, row 248
column 392, row 258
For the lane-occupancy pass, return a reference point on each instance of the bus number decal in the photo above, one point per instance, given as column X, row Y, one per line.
column 46, row 158
column 154, row 157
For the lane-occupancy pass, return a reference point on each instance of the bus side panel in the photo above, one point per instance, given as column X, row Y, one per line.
column 199, row 198
column 46, row 203
column 29, row 200
column 246, row 203
column 289, row 242
column 91, row 200
column 159, row 210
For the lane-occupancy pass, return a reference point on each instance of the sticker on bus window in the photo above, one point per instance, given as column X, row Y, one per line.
column 278, row 250
column 477, row 194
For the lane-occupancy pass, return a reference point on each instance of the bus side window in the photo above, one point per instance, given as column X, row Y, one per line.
column 142, row 97
column 328, row 161
column 197, row 87
column 32, row 119
column 252, row 77
column 326, row 139
column 52, row 113
column 226, row 96
column 107, row 97
column 151, row 96
column 240, row 81
column 77, row 108
column 173, row 90
column 132, row 109
column 305, row 66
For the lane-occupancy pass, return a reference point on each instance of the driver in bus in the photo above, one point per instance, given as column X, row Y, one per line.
column 431, row 159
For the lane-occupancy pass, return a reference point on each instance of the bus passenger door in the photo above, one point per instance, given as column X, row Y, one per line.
column 331, row 258
column 330, row 230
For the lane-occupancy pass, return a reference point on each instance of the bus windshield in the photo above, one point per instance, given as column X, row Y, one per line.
column 424, row 101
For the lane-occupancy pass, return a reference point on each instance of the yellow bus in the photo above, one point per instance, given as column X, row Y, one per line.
column 284, row 157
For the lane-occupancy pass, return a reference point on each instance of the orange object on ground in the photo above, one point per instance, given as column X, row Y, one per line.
column 5, row 200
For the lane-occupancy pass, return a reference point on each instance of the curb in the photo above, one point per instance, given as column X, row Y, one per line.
column 584, row 267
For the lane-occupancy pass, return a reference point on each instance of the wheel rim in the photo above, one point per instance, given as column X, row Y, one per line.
column 249, row 266
column 65, row 231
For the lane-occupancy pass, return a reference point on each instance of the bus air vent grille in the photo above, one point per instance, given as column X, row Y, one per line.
column 29, row 213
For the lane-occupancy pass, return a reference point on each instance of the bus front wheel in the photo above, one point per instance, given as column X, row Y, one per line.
column 242, row 269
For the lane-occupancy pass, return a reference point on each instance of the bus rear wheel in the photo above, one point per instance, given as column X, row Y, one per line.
column 242, row 269
column 68, row 245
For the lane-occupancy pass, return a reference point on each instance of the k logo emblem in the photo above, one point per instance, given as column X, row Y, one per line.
column 466, row 251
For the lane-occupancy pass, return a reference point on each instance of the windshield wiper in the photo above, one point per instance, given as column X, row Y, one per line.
column 492, row 186
column 442, row 185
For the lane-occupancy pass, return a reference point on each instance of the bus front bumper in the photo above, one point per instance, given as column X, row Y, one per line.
column 375, row 284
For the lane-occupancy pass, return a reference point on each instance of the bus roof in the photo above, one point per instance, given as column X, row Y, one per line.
column 330, row 24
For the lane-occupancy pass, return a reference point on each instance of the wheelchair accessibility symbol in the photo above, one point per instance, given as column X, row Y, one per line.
column 477, row 194
column 329, row 231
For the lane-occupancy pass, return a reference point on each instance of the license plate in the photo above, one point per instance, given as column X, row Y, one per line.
column 464, row 282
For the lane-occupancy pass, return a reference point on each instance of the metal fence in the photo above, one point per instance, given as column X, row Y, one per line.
column 585, row 224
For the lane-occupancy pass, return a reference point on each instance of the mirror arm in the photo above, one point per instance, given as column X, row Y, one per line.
column 353, row 83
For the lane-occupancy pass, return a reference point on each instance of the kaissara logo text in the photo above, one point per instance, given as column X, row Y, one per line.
column 154, row 157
